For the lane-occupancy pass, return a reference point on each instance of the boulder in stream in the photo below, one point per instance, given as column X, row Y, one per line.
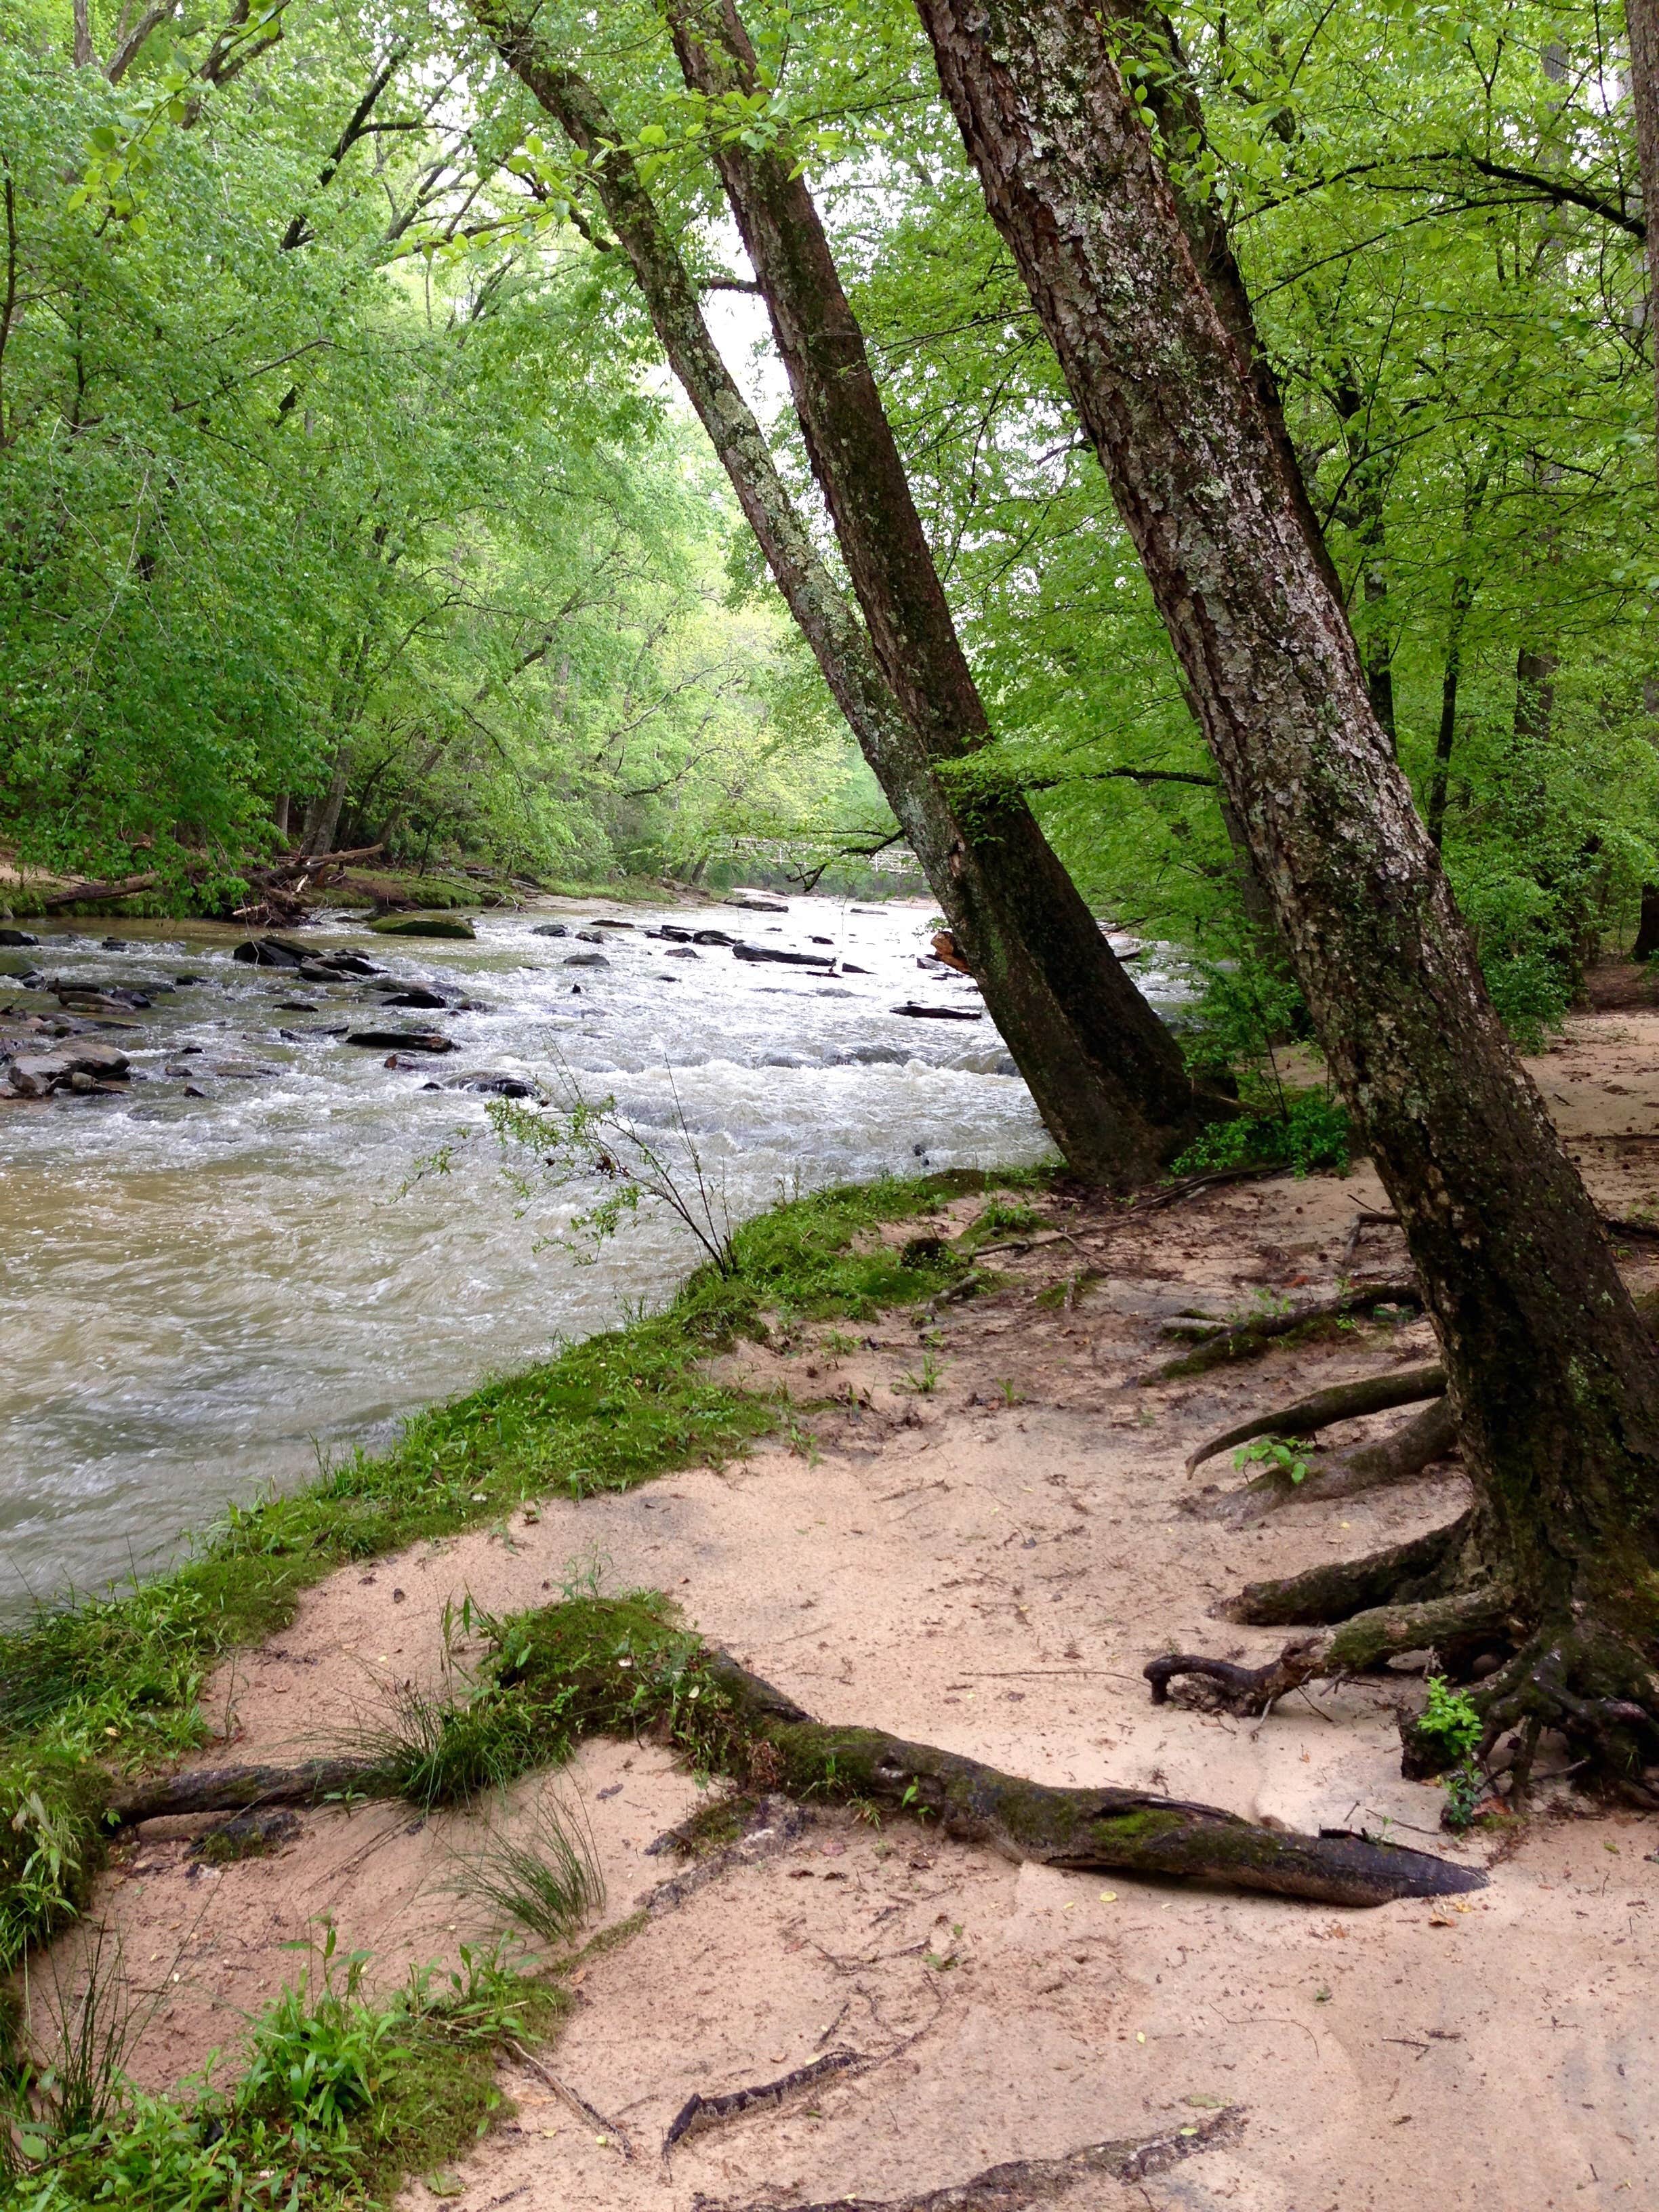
column 17, row 937
column 423, row 925
column 586, row 960
column 755, row 902
column 712, row 936
column 551, row 929
column 271, row 952
column 37, row 1074
column 790, row 959
column 414, row 995
column 401, row 1039
column 938, row 1013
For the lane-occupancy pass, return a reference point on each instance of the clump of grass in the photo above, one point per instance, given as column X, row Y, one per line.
column 546, row 1881
column 341, row 2097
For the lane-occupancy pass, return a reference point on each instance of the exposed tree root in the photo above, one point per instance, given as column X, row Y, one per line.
column 1591, row 1683
column 698, row 2112
column 1026, row 2181
column 613, row 1666
column 1367, row 1639
column 1343, row 1401
column 1248, row 1340
column 1400, row 1574
column 1594, row 1688
column 236, row 1789
column 1415, row 1444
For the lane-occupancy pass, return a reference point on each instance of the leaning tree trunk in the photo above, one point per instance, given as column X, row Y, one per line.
column 1642, row 22
column 1106, row 1074
column 1554, row 1381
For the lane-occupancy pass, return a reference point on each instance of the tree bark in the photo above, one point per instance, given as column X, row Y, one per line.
column 1461, row 600
column 1647, row 929
column 1641, row 23
column 1106, row 1074
column 1554, row 1379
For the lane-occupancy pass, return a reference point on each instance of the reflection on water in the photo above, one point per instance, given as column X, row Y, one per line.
column 199, row 1295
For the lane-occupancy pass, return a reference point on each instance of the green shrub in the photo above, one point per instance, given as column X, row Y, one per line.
column 1313, row 1134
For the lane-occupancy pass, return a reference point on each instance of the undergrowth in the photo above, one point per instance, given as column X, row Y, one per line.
column 1309, row 1132
column 116, row 1682
column 340, row 2098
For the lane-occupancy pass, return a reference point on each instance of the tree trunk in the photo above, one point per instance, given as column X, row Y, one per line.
column 323, row 815
column 1641, row 23
column 1106, row 1074
column 1647, row 929
column 1461, row 599
column 1534, row 695
column 1554, row 1381
column 1368, row 477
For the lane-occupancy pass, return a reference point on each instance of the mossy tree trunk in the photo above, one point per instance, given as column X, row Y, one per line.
column 1106, row 1074
column 1554, row 1381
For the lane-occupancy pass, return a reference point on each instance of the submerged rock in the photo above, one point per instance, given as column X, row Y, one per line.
column 497, row 1082
column 586, row 960
column 422, row 925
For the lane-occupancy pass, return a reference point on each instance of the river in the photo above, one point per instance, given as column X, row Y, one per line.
column 200, row 1297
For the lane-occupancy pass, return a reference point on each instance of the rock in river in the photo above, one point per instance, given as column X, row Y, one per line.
column 587, row 960
column 401, row 1039
column 938, row 1013
column 36, row 1074
column 271, row 952
column 17, row 937
column 422, row 925
column 551, row 929
column 792, row 959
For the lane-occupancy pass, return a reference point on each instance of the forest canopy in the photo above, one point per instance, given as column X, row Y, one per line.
column 346, row 496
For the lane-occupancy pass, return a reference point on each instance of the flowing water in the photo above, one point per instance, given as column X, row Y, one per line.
column 200, row 1296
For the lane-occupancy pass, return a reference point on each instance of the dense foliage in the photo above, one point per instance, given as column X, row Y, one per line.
column 299, row 526
column 346, row 458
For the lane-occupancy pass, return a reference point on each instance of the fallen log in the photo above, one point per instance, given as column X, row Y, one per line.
column 1246, row 1340
column 615, row 1666
column 97, row 894
column 1022, row 2181
column 1414, row 1445
column 1343, row 1401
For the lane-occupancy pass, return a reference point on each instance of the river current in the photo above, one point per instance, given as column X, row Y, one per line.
column 203, row 1297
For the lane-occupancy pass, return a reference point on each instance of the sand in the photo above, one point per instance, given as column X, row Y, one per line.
column 987, row 1563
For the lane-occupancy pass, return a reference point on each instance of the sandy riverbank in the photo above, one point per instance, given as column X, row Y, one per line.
column 987, row 1564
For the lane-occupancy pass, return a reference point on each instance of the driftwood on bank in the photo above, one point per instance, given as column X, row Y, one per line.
column 100, row 894
column 1022, row 2181
column 1245, row 1339
column 585, row 1664
column 1343, row 1401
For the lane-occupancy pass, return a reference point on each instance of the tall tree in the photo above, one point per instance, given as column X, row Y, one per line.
column 1554, row 1379
column 1105, row 1072
column 1642, row 22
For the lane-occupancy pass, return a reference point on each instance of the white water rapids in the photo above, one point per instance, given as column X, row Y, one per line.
column 203, row 1297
